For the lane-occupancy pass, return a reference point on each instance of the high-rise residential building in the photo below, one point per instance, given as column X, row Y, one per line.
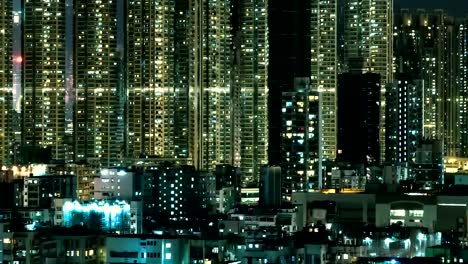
column 289, row 44
column 426, row 50
column 43, row 113
column 463, row 85
column 210, row 91
column 181, row 72
column 253, row 84
column 368, row 32
column 98, row 127
column 324, row 39
column 403, row 119
column 451, row 136
column 430, row 39
column 300, row 138
column 343, row 30
column 157, row 74
column 358, row 118
column 6, row 82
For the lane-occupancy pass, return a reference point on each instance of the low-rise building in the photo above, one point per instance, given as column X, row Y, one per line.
column 39, row 191
column 147, row 249
column 265, row 245
column 405, row 210
column 30, row 218
column 350, row 207
column 18, row 247
column 114, row 183
column 84, row 174
column 312, row 253
column 72, row 246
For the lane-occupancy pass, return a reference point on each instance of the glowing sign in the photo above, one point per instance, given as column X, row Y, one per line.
column 111, row 216
column 25, row 171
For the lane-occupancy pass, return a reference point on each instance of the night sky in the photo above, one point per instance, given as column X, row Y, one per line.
column 455, row 7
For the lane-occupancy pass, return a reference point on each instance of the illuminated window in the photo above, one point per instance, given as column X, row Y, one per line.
column 397, row 221
column 399, row 213
column 416, row 213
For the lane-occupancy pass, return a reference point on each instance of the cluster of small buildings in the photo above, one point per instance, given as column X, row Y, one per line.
column 166, row 213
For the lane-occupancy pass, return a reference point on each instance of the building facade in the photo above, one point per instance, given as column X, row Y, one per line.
column 147, row 249
column 368, row 33
column 98, row 126
column 324, row 68
column 157, row 77
column 210, row 94
column 341, row 32
column 300, row 137
column 359, row 118
column 463, row 86
column 426, row 50
column 6, row 83
column 43, row 113
column 253, row 78
column 404, row 119
column 289, row 44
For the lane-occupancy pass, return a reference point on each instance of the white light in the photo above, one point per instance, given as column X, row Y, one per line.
column 416, row 194
column 421, row 236
column 111, row 214
column 451, row 204
column 388, row 241
column 38, row 169
column 407, row 243
column 400, row 213
column 168, row 255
